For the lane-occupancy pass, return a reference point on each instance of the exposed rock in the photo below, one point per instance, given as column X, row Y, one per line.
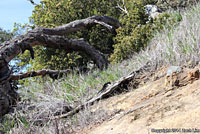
column 152, row 11
column 177, row 77
column 173, row 69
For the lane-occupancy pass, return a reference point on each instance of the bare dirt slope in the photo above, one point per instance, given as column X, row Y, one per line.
column 170, row 103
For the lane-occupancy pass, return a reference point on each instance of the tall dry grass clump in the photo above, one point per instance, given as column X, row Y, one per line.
column 176, row 46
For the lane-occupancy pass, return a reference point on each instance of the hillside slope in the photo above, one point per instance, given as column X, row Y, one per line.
column 171, row 102
column 162, row 101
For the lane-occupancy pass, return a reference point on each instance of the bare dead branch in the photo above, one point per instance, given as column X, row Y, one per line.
column 38, row 73
column 123, row 9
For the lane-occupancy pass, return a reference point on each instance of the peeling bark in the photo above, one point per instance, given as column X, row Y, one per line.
column 52, row 38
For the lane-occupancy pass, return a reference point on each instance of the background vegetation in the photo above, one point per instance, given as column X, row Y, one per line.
column 5, row 35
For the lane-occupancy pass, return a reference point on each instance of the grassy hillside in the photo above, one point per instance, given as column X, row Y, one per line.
column 175, row 45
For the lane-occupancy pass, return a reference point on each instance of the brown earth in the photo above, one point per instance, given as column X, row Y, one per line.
column 166, row 103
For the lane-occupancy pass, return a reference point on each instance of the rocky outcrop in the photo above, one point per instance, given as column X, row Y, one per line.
column 181, row 77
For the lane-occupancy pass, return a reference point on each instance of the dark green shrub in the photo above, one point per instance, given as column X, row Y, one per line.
column 134, row 33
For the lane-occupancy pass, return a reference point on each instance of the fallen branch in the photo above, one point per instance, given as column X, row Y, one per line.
column 107, row 92
column 119, row 86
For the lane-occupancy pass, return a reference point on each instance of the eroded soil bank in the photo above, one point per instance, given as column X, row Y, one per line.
column 168, row 103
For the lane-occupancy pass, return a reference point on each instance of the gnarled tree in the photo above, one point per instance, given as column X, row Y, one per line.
column 52, row 38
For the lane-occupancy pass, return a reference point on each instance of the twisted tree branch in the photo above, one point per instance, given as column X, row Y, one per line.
column 83, row 24
column 52, row 38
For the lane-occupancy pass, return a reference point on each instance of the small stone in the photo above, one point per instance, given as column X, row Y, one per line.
column 173, row 69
